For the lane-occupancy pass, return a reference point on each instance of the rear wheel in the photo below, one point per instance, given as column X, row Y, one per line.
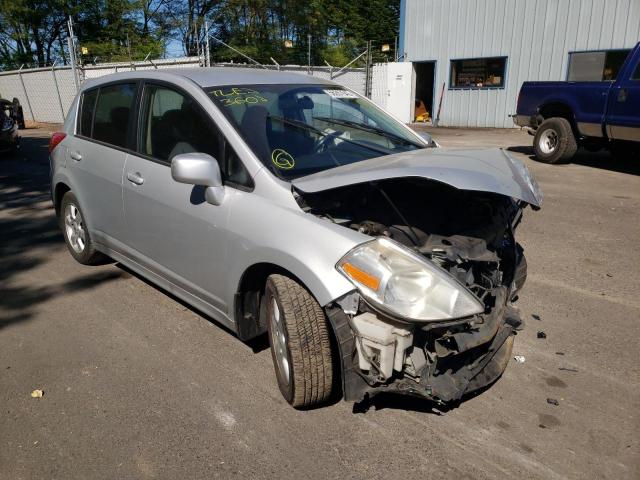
column 300, row 345
column 554, row 141
column 76, row 233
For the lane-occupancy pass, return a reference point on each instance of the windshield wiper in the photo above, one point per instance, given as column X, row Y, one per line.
column 368, row 128
column 310, row 128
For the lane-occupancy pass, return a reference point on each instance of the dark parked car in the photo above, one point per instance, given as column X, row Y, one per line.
column 595, row 115
column 11, row 118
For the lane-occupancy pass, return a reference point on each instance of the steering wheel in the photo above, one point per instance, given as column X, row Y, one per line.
column 323, row 143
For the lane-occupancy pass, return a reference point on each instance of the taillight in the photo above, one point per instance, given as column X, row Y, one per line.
column 56, row 138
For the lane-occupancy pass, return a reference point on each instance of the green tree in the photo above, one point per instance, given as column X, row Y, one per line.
column 34, row 31
column 31, row 30
column 121, row 30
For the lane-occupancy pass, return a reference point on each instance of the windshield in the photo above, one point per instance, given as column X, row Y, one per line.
column 297, row 130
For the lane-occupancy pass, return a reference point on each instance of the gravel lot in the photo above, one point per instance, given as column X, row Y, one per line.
column 138, row 385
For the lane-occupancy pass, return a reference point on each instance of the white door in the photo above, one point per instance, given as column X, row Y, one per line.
column 399, row 86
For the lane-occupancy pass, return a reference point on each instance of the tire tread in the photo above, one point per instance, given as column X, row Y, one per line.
column 309, row 342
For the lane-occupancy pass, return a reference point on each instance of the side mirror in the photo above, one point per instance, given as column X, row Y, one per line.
column 428, row 139
column 199, row 169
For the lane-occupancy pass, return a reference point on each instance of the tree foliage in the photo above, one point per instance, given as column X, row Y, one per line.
column 34, row 32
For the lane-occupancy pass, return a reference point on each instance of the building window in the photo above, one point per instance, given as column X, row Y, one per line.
column 478, row 73
column 595, row 66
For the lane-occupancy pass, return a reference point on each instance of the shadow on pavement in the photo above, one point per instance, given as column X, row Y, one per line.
column 22, row 301
column 27, row 224
column 24, row 197
column 602, row 160
column 127, row 270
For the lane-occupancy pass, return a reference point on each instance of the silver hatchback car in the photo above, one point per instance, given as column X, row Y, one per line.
column 287, row 204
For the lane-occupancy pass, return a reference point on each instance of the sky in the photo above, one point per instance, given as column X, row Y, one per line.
column 174, row 48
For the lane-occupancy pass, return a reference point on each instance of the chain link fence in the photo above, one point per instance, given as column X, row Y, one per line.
column 46, row 94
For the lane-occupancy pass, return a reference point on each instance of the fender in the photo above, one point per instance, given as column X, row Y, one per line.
column 257, row 236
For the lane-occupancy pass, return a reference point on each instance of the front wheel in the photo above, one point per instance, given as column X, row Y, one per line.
column 300, row 345
column 554, row 141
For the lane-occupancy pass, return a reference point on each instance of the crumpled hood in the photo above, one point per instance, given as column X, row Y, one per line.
column 484, row 170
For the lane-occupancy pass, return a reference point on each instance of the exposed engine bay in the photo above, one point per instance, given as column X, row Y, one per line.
column 467, row 233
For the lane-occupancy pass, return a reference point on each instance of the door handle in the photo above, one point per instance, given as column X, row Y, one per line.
column 135, row 178
column 75, row 155
column 622, row 95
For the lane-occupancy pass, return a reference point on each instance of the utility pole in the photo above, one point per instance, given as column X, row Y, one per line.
column 367, row 86
column 207, row 58
column 309, row 53
column 395, row 50
column 71, row 41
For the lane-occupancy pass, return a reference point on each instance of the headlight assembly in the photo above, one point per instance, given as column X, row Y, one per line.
column 406, row 284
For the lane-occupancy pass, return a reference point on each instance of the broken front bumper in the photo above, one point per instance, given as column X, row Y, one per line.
column 457, row 357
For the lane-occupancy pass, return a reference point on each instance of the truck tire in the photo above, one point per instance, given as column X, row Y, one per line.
column 300, row 343
column 76, row 233
column 554, row 141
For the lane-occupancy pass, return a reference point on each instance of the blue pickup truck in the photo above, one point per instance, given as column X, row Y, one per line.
column 593, row 115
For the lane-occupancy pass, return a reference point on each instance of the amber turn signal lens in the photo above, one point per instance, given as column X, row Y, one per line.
column 361, row 276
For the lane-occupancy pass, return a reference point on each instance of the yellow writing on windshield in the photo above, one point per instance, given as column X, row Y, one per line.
column 282, row 159
column 238, row 96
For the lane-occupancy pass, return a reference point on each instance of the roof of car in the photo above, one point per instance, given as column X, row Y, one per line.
column 214, row 76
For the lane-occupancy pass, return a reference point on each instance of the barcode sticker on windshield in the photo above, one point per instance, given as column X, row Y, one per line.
column 339, row 93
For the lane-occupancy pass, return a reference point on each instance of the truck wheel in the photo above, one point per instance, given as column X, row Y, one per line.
column 76, row 233
column 554, row 141
column 300, row 345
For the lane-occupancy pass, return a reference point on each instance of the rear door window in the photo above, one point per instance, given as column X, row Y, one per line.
column 87, row 108
column 113, row 114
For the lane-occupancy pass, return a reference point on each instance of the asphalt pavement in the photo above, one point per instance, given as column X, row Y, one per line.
column 138, row 385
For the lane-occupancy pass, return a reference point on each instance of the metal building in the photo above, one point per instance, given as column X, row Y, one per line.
column 473, row 55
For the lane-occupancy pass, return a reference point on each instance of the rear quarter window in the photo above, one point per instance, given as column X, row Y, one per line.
column 87, row 107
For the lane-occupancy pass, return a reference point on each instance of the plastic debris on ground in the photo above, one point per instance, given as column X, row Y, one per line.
column 519, row 358
column 553, row 401
column 37, row 394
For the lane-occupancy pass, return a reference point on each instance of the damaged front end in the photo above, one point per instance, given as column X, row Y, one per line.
column 437, row 320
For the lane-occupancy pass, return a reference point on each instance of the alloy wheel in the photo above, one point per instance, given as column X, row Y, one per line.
column 74, row 228
column 279, row 340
